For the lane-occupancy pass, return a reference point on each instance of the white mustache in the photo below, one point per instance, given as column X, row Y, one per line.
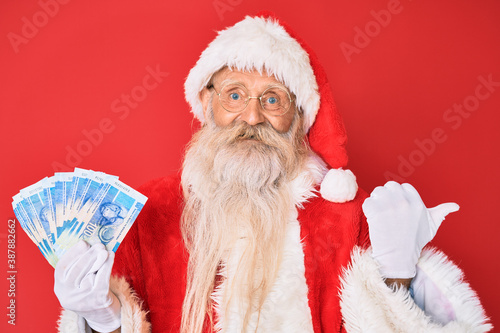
column 262, row 133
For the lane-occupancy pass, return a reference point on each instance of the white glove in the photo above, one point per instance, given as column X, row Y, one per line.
column 400, row 226
column 82, row 285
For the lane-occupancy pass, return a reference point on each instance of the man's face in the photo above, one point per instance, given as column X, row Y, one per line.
column 253, row 114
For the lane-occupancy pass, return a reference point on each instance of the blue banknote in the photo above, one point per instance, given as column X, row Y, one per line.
column 49, row 210
column 106, row 215
column 58, row 211
column 63, row 183
column 89, row 183
column 37, row 208
column 34, row 233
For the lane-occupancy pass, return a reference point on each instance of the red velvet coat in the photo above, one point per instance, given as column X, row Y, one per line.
column 153, row 258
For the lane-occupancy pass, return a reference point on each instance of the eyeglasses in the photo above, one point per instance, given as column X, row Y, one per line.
column 234, row 97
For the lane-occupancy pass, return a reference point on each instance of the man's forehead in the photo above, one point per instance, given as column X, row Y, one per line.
column 251, row 78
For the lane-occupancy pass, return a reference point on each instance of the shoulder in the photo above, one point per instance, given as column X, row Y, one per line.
column 163, row 188
column 318, row 205
column 164, row 205
column 330, row 219
column 162, row 193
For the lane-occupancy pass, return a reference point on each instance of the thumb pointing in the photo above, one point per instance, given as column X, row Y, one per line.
column 439, row 212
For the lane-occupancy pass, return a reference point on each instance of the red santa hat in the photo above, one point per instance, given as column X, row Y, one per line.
column 264, row 43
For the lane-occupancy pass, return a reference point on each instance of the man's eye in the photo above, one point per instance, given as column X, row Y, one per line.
column 272, row 100
column 234, row 96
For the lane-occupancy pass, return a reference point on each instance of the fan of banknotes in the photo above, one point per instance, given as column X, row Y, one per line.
column 58, row 211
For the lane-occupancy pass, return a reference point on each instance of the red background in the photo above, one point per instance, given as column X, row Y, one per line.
column 62, row 80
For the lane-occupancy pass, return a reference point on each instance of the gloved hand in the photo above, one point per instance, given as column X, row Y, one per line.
column 82, row 285
column 400, row 226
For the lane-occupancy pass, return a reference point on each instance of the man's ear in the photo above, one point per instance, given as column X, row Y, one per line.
column 204, row 97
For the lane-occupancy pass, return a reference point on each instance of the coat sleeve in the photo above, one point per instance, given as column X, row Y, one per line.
column 443, row 301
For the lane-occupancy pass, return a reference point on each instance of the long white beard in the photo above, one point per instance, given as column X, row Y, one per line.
column 236, row 183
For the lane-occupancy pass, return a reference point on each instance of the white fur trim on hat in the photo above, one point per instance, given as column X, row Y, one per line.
column 256, row 43
column 339, row 186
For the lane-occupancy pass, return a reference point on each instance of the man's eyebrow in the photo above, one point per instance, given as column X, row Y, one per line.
column 279, row 85
column 270, row 85
column 226, row 81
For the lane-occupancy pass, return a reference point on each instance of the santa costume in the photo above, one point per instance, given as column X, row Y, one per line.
column 327, row 280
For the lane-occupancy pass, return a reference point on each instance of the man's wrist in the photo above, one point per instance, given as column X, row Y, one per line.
column 395, row 283
column 107, row 319
column 118, row 330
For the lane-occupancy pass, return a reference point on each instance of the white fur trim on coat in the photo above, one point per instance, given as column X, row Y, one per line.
column 368, row 305
column 256, row 43
column 286, row 308
column 70, row 322
column 303, row 187
column 132, row 316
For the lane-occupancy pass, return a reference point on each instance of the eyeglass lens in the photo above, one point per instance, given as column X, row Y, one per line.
column 235, row 97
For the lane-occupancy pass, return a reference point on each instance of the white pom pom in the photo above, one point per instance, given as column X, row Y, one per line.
column 339, row 185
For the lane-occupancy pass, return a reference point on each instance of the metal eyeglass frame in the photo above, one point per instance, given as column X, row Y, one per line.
column 250, row 97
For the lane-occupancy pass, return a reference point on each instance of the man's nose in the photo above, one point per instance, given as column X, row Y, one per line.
column 253, row 113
